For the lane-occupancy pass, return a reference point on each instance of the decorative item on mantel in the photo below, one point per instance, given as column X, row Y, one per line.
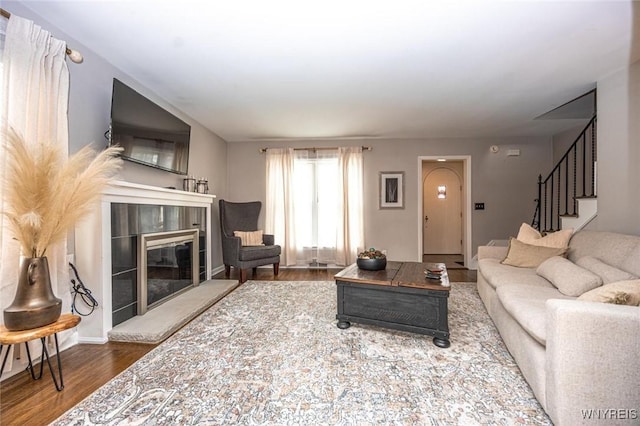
column 189, row 184
column 372, row 260
column 202, row 186
column 45, row 194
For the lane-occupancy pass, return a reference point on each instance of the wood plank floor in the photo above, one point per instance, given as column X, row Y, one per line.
column 299, row 274
column 87, row 367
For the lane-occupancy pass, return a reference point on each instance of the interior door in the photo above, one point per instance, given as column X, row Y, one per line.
column 442, row 209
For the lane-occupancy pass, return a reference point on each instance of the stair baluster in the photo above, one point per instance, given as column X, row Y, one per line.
column 568, row 177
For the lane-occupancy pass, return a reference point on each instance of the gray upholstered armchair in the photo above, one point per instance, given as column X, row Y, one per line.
column 244, row 217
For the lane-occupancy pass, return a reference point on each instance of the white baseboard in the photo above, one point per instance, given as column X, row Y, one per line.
column 217, row 270
column 93, row 340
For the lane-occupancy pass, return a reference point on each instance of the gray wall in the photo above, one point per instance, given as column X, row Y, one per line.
column 89, row 116
column 619, row 152
column 507, row 185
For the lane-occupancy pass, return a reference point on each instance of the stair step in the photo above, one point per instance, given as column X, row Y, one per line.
column 569, row 215
column 587, row 211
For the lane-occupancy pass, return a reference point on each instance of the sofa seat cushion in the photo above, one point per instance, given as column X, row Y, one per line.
column 498, row 274
column 527, row 305
column 258, row 252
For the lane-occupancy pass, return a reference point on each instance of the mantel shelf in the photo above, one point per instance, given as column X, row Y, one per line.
column 121, row 191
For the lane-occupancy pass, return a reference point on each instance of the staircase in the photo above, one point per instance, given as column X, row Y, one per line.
column 567, row 197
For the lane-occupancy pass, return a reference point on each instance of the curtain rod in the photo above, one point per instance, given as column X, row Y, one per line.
column 313, row 148
column 74, row 55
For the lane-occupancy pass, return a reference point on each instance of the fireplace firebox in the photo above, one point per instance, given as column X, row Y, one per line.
column 168, row 265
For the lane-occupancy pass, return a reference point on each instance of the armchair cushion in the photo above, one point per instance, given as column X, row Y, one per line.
column 248, row 253
column 250, row 238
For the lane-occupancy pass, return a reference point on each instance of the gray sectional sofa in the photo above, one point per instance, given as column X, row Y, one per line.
column 581, row 358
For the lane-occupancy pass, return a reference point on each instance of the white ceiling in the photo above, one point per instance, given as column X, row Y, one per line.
column 257, row 70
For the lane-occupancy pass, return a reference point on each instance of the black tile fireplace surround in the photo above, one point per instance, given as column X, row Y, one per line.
column 128, row 222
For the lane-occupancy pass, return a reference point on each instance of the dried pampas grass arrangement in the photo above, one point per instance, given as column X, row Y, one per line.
column 46, row 193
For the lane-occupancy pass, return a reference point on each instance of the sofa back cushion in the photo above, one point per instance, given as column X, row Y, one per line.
column 569, row 278
column 608, row 273
column 632, row 262
column 619, row 250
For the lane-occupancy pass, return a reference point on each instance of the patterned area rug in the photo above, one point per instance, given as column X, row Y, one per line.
column 270, row 353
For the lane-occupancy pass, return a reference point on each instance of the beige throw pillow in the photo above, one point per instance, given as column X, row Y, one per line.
column 620, row 293
column 558, row 239
column 527, row 233
column 608, row 273
column 250, row 238
column 529, row 256
column 567, row 277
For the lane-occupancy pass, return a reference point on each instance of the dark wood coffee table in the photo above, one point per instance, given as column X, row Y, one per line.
column 399, row 297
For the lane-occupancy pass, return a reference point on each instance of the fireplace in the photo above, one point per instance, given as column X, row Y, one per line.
column 107, row 250
column 168, row 265
column 154, row 244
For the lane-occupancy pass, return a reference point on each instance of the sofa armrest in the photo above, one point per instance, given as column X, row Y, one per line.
column 268, row 239
column 592, row 360
column 492, row 252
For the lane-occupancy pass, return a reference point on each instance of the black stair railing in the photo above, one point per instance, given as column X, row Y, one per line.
column 573, row 177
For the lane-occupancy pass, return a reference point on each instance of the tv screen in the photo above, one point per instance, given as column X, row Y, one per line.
column 149, row 134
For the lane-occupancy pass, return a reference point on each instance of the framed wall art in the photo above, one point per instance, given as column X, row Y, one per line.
column 391, row 190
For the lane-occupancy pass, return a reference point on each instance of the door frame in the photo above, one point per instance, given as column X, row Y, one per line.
column 466, row 203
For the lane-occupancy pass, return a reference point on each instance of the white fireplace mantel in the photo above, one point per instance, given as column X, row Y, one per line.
column 128, row 192
column 93, row 246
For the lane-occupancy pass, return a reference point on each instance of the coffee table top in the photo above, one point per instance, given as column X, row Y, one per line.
column 398, row 274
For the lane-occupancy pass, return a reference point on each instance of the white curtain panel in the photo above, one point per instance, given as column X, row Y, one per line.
column 351, row 226
column 35, row 91
column 279, row 205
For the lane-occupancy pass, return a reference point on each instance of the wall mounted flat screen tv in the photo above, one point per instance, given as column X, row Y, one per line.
column 149, row 134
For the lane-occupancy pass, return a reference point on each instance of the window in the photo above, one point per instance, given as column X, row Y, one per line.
column 314, row 204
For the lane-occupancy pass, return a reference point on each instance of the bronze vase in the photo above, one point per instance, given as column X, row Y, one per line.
column 34, row 305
